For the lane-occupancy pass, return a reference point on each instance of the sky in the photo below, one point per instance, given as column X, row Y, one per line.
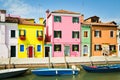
column 107, row 10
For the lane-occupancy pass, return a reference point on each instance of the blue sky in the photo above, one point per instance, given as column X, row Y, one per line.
column 107, row 10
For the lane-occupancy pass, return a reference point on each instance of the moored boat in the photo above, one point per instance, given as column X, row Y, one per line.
column 54, row 71
column 102, row 69
column 6, row 73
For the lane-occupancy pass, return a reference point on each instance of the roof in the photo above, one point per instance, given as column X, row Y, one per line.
column 101, row 24
column 64, row 12
column 92, row 17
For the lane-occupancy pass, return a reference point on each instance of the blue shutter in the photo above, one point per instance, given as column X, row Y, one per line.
column 21, row 48
column 38, row 48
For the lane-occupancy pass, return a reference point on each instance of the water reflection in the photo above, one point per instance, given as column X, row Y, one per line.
column 82, row 76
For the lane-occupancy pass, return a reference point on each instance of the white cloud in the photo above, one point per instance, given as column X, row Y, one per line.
column 20, row 8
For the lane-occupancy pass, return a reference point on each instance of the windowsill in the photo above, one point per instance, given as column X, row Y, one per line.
column 57, row 38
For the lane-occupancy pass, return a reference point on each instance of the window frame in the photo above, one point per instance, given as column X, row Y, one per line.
column 75, row 20
column 111, row 35
column 40, row 48
column 73, row 47
column 57, row 17
column 56, row 32
column 74, row 33
column 14, row 34
column 23, row 49
column 99, row 47
column 60, row 47
column 85, row 34
column 99, row 32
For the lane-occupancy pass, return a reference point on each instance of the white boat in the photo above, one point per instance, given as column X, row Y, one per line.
column 6, row 73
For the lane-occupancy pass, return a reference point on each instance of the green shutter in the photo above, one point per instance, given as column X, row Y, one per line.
column 24, row 32
column 19, row 32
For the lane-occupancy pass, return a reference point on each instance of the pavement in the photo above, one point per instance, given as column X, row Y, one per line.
column 59, row 60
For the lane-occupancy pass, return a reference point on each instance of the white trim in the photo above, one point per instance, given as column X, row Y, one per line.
column 60, row 14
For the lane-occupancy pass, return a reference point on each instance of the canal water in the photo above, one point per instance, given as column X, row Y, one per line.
column 81, row 76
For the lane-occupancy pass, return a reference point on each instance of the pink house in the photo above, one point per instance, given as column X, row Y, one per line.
column 63, row 33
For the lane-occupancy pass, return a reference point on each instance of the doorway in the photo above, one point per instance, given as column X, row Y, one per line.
column 13, row 51
column 30, row 51
column 47, row 51
column 67, row 50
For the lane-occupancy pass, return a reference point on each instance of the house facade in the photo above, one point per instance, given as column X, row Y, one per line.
column 63, row 32
column 86, row 40
column 118, row 39
column 31, row 39
column 104, row 40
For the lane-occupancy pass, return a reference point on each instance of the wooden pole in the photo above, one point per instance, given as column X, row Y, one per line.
column 65, row 61
column 49, row 60
column 91, row 61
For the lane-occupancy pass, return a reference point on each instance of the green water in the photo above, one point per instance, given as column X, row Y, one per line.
column 81, row 76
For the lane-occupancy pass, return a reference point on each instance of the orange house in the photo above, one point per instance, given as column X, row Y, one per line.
column 103, row 37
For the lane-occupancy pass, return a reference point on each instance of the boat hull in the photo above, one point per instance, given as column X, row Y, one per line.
column 12, row 72
column 53, row 72
column 102, row 69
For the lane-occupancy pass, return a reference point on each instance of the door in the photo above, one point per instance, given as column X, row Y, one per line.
column 85, row 50
column 47, row 51
column 30, row 51
column 67, row 50
column 13, row 51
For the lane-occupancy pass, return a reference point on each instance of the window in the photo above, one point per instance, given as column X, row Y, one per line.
column 57, row 34
column 85, row 49
column 57, row 47
column 57, row 18
column 22, row 32
column 111, row 33
column 75, row 34
column 21, row 48
column 85, row 33
column 75, row 19
column 119, row 35
column 38, row 48
column 12, row 33
column 97, row 47
column 39, row 33
column 112, row 47
column 97, row 33
column 75, row 47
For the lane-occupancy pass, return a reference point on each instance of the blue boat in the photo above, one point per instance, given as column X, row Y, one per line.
column 54, row 71
column 102, row 69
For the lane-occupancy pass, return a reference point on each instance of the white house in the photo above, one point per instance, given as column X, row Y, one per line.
column 8, row 36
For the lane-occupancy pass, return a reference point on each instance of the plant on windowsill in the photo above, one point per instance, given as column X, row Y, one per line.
column 113, row 53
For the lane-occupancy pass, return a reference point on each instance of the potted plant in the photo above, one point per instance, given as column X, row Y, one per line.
column 113, row 53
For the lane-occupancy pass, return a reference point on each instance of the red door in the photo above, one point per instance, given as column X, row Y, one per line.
column 30, row 51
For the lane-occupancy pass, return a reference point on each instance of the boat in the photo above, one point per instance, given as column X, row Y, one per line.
column 7, row 73
column 102, row 69
column 54, row 71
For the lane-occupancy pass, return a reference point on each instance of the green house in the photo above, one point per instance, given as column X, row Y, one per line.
column 86, row 40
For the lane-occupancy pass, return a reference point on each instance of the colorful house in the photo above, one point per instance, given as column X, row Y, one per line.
column 31, row 39
column 8, row 35
column 104, row 40
column 3, row 46
column 63, row 33
column 86, row 40
column 118, row 40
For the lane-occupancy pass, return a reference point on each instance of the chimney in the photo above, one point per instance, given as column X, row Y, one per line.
column 82, row 18
column 47, row 12
column 2, row 15
column 41, row 20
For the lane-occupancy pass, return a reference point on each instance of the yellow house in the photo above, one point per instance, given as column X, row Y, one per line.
column 31, row 39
